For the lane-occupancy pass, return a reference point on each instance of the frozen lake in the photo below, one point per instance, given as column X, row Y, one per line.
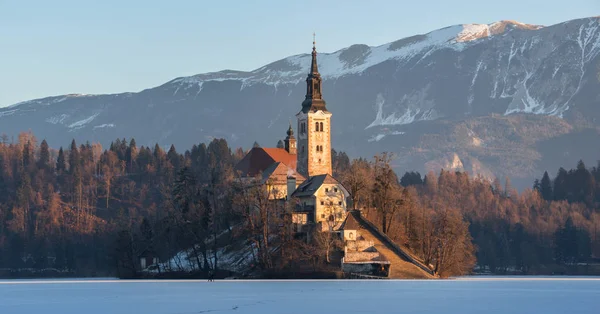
column 470, row 295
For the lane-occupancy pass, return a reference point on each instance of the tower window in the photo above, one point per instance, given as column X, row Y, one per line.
column 316, row 126
column 321, row 125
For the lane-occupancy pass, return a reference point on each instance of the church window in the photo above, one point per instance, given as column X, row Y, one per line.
column 321, row 126
column 316, row 126
column 322, row 203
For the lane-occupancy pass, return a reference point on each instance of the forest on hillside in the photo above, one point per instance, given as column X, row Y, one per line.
column 92, row 211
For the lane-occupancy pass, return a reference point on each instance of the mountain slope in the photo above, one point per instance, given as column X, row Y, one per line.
column 420, row 97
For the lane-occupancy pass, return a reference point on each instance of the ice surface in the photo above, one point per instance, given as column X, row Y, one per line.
column 479, row 295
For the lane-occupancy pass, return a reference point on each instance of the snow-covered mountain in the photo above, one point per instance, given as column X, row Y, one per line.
column 431, row 98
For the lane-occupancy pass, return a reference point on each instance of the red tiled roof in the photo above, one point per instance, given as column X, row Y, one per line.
column 259, row 159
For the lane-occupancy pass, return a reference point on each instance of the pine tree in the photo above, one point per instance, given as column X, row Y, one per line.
column 131, row 156
column 61, row 164
column 173, row 157
column 546, row 187
column 560, row 185
column 44, row 160
column 73, row 158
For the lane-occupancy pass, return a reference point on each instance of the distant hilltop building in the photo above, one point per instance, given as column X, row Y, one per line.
column 301, row 170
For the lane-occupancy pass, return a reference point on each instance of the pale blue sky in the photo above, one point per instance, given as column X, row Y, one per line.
column 53, row 47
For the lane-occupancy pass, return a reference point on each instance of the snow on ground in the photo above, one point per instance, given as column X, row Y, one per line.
column 81, row 123
column 59, row 119
column 295, row 68
column 106, row 125
column 466, row 295
column 8, row 112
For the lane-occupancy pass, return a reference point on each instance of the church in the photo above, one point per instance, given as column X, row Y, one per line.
column 301, row 170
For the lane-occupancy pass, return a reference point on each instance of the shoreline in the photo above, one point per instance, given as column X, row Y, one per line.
column 464, row 279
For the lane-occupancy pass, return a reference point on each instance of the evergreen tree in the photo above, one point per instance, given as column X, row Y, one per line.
column 560, row 185
column 546, row 187
column 61, row 164
column 44, row 160
column 411, row 178
column 583, row 184
column 173, row 157
column 73, row 158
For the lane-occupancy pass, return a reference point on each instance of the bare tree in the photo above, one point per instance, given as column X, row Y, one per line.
column 358, row 180
column 262, row 216
column 386, row 190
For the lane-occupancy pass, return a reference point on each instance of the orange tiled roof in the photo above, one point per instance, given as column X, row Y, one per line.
column 278, row 173
column 259, row 159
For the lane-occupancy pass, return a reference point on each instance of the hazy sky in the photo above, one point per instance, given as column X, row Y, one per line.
column 53, row 47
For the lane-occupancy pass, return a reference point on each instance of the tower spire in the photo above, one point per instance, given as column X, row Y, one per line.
column 290, row 141
column 313, row 67
column 313, row 100
column 290, row 131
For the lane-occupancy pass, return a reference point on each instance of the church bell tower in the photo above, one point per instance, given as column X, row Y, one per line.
column 314, row 127
column 290, row 141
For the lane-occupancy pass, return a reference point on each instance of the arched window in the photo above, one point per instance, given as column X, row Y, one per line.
column 321, row 126
column 317, row 126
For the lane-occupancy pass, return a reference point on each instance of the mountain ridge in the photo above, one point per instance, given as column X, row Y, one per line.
column 391, row 97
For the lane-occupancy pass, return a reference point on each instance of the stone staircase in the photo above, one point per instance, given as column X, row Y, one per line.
column 403, row 264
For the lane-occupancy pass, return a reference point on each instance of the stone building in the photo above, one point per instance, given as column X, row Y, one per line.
column 301, row 171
